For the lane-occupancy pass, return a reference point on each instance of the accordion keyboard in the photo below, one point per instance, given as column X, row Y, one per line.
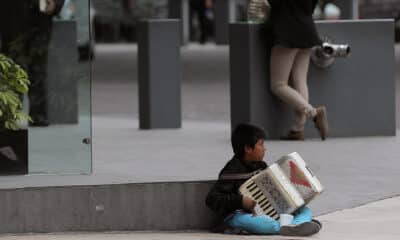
column 252, row 191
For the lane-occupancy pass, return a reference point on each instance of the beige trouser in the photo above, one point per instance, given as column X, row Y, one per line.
column 289, row 69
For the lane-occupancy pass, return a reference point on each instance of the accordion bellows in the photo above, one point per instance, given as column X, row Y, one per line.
column 283, row 187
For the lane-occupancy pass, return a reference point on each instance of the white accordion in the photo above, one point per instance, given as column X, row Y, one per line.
column 283, row 187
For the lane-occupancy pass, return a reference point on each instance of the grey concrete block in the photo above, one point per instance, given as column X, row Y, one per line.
column 359, row 91
column 179, row 9
column 224, row 14
column 160, row 74
column 152, row 206
column 62, row 84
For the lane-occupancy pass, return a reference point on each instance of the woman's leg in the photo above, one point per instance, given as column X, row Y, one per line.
column 261, row 224
column 298, row 80
column 282, row 62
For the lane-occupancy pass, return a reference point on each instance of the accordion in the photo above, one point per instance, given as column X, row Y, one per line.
column 283, row 187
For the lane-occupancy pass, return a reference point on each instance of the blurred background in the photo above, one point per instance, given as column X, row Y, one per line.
column 116, row 20
column 107, row 87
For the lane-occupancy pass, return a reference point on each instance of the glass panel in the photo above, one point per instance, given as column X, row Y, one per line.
column 50, row 40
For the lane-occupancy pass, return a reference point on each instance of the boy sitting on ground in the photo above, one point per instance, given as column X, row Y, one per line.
column 238, row 210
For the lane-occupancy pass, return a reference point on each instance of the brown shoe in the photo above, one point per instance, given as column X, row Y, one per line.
column 321, row 122
column 293, row 136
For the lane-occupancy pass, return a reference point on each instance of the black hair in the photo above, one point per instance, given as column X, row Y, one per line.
column 243, row 135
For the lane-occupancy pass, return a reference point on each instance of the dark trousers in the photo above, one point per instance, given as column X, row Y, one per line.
column 198, row 7
column 30, row 50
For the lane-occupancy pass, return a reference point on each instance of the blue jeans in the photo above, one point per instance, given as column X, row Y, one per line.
column 264, row 224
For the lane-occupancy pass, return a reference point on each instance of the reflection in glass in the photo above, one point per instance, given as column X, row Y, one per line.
column 37, row 35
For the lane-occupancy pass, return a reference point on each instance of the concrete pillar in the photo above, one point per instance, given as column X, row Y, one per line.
column 179, row 9
column 359, row 91
column 62, row 82
column 160, row 73
column 224, row 12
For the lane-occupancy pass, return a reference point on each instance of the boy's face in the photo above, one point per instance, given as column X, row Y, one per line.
column 256, row 153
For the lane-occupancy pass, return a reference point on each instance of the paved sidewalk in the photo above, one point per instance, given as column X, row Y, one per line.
column 378, row 220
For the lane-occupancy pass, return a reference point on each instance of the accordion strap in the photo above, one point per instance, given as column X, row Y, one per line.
column 238, row 176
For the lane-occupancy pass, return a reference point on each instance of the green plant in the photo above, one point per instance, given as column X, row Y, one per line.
column 14, row 84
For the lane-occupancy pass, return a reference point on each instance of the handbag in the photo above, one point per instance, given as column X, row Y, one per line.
column 258, row 10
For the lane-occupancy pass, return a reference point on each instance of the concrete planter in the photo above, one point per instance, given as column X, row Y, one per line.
column 13, row 152
column 359, row 91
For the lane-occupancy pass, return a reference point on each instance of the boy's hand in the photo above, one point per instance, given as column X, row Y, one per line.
column 248, row 203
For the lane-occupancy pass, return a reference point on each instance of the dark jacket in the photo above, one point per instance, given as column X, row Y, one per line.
column 18, row 16
column 224, row 196
column 293, row 24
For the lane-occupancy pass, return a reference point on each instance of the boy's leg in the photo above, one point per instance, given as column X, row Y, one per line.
column 302, row 215
column 302, row 224
column 254, row 224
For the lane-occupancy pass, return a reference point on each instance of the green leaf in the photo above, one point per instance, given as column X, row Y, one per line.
column 14, row 81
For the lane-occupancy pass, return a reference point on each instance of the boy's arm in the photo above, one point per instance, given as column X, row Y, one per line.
column 224, row 198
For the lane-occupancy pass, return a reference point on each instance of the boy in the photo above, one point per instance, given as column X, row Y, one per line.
column 224, row 197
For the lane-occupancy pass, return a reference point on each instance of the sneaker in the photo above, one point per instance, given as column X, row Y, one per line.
column 294, row 136
column 317, row 222
column 321, row 122
column 304, row 229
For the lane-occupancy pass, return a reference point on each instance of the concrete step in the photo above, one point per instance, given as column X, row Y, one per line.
column 137, row 206
column 177, row 176
column 358, row 223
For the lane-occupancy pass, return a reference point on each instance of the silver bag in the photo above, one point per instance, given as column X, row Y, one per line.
column 258, row 10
